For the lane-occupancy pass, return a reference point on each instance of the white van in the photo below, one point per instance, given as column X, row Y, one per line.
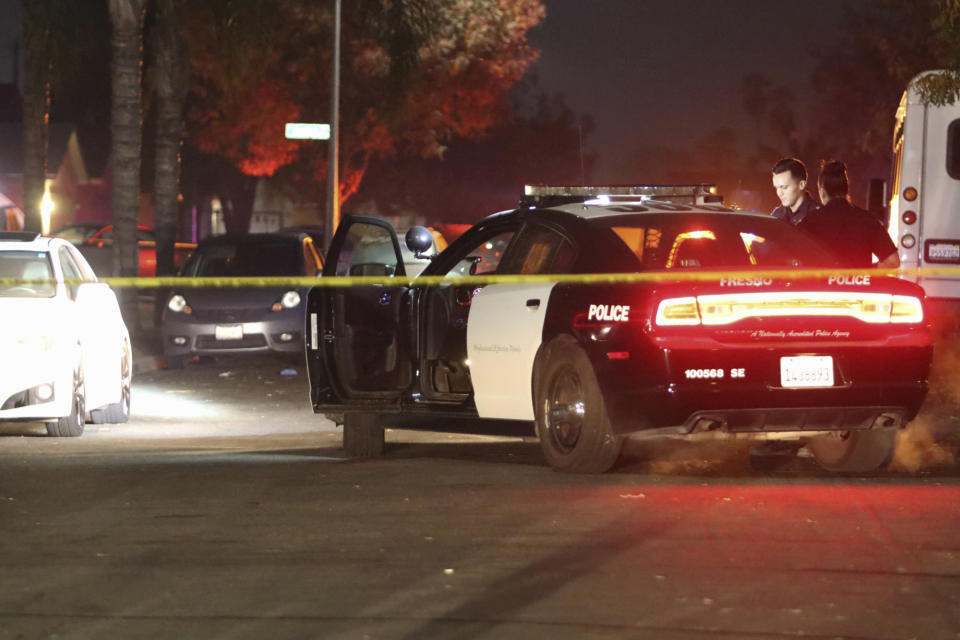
column 924, row 218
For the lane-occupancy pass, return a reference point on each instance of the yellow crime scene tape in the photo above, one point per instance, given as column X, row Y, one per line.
column 427, row 281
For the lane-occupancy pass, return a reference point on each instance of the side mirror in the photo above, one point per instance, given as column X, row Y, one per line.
column 419, row 240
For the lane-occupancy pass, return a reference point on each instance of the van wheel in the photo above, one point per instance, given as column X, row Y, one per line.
column 362, row 435
column 572, row 422
column 72, row 425
column 860, row 451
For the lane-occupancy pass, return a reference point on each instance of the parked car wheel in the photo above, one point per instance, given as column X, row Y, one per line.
column 572, row 422
column 71, row 426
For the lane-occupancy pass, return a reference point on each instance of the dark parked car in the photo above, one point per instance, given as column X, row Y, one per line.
column 231, row 320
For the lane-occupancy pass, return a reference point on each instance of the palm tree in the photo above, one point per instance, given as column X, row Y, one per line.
column 39, row 40
column 169, row 79
column 126, row 18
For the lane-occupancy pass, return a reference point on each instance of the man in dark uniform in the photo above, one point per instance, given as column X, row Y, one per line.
column 790, row 181
column 851, row 234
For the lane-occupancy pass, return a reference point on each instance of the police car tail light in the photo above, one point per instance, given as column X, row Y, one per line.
column 874, row 308
column 906, row 309
column 677, row 312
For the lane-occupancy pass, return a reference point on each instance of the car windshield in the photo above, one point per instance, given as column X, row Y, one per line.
column 246, row 259
column 716, row 241
column 26, row 265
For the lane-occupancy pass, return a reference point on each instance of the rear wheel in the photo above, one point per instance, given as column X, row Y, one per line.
column 572, row 422
column 71, row 426
column 854, row 451
column 118, row 411
column 362, row 435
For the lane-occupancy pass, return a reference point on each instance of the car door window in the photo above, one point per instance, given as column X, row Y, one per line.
column 539, row 249
column 367, row 250
column 85, row 270
column 483, row 257
column 70, row 271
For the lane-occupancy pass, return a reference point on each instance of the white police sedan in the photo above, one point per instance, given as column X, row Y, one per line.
column 65, row 349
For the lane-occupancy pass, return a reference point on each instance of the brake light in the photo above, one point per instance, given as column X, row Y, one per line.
column 678, row 311
column 906, row 309
column 713, row 310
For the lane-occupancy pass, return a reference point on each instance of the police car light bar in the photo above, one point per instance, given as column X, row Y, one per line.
column 553, row 195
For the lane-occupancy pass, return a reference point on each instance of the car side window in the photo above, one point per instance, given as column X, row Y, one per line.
column 85, row 271
column 367, row 250
column 539, row 249
column 484, row 257
column 70, row 271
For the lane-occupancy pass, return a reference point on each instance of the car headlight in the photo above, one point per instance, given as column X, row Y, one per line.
column 290, row 299
column 177, row 303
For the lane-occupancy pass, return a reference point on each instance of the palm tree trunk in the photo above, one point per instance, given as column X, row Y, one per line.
column 36, row 109
column 125, row 127
column 126, row 17
column 170, row 76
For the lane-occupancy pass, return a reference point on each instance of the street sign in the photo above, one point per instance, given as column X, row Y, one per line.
column 307, row 131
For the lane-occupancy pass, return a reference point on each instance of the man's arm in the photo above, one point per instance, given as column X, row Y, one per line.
column 892, row 261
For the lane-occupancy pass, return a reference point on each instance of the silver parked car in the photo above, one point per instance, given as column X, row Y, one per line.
column 236, row 320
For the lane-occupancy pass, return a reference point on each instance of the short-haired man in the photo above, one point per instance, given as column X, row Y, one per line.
column 790, row 181
column 851, row 234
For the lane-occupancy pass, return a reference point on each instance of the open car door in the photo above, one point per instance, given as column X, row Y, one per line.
column 357, row 337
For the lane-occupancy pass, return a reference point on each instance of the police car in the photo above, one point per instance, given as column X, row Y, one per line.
column 734, row 327
column 65, row 349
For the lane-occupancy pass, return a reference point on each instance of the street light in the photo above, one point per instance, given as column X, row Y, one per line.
column 333, row 169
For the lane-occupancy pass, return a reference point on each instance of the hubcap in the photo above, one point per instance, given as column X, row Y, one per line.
column 79, row 402
column 126, row 377
column 564, row 411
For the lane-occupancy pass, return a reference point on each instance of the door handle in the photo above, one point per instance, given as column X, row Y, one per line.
column 533, row 303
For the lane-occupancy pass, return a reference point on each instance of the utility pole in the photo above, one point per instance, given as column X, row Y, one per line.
column 333, row 172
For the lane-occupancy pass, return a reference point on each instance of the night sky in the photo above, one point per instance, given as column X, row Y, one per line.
column 654, row 72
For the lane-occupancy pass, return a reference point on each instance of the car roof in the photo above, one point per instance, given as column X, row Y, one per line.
column 26, row 241
column 600, row 209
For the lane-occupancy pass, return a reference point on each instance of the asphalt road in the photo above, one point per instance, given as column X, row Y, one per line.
column 225, row 509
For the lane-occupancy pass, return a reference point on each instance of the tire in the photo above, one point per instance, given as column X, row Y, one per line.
column 363, row 437
column 117, row 412
column 860, row 451
column 174, row 362
column 72, row 425
column 572, row 422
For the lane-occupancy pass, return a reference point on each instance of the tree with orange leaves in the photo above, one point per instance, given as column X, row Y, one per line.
column 415, row 75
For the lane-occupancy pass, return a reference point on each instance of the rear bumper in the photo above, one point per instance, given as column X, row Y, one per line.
column 869, row 384
column 186, row 338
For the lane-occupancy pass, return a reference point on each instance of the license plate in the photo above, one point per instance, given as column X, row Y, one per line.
column 229, row 332
column 806, row 371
